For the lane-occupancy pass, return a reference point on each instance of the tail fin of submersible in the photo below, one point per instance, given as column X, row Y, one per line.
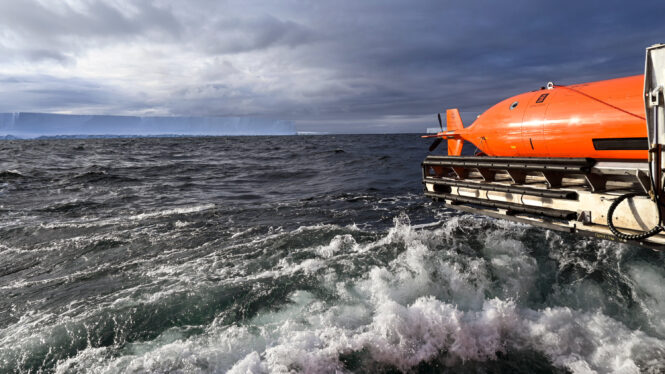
column 454, row 123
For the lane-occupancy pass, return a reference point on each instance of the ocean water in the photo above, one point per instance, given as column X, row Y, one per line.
column 313, row 254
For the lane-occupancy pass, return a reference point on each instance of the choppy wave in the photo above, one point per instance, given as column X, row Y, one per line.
column 10, row 174
column 332, row 280
column 436, row 302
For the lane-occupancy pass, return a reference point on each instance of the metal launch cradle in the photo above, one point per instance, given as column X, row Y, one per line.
column 576, row 195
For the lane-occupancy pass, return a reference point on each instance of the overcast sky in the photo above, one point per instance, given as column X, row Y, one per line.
column 333, row 66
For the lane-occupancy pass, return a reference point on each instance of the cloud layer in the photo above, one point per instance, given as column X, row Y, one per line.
column 336, row 66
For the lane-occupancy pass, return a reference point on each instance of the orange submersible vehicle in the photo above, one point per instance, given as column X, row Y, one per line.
column 584, row 158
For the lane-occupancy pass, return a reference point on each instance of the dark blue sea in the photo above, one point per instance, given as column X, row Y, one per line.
column 296, row 254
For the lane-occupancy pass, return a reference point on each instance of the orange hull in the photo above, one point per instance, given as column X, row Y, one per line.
column 603, row 120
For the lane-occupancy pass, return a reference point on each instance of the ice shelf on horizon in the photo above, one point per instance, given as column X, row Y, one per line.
column 33, row 125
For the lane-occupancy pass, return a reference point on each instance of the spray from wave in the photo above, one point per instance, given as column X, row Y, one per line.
column 367, row 302
column 164, row 276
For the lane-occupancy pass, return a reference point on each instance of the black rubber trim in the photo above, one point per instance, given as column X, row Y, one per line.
column 553, row 194
column 510, row 207
column 569, row 165
column 621, row 144
column 578, row 230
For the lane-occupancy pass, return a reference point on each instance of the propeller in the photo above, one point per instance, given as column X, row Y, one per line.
column 435, row 144
column 438, row 140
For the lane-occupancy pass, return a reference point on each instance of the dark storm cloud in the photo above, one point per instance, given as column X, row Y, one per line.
column 42, row 93
column 332, row 66
column 36, row 19
column 50, row 30
column 235, row 34
column 411, row 60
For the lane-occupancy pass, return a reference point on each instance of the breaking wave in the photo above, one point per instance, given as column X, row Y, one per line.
column 362, row 280
column 438, row 301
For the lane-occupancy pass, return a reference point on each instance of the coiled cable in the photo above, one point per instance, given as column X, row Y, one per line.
column 610, row 212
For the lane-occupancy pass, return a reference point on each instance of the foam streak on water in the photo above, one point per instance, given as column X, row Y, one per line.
column 318, row 254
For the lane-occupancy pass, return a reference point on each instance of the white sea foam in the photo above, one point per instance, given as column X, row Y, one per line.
column 87, row 222
column 171, row 212
column 647, row 281
column 450, row 304
column 251, row 364
column 340, row 243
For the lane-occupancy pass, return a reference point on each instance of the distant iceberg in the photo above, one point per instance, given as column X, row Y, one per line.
column 35, row 125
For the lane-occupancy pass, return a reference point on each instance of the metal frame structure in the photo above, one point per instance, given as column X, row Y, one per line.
column 567, row 194
column 654, row 81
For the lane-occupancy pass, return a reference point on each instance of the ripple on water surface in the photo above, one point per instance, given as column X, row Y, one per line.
column 200, row 255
